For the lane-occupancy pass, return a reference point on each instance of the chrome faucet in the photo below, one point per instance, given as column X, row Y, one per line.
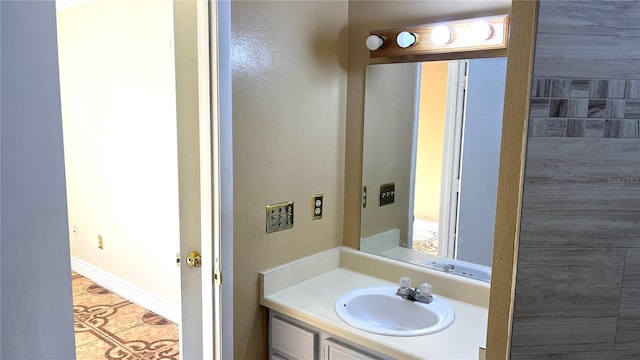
column 420, row 294
column 449, row 268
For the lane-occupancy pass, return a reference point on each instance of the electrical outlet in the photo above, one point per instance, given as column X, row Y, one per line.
column 387, row 194
column 317, row 204
column 100, row 242
column 279, row 216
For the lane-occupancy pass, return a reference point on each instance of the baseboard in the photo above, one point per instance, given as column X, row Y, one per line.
column 127, row 290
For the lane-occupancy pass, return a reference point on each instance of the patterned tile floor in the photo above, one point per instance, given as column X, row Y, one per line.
column 429, row 245
column 109, row 327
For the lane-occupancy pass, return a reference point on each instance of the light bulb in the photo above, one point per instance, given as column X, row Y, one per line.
column 441, row 35
column 481, row 31
column 374, row 42
column 406, row 39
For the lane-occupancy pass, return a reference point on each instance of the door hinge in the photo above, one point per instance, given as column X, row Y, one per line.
column 217, row 277
column 464, row 82
column 458, row 185
column 364, row 197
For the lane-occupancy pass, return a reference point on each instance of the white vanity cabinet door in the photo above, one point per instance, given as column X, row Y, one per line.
column 291, row 341
column 336, row 351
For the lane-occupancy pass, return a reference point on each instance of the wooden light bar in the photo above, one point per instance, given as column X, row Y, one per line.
column 483, row 33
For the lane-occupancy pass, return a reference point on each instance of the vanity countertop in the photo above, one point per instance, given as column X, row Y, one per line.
column 312, row 301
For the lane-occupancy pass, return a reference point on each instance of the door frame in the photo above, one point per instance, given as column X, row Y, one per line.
column 414, row 158
column 203, row 98
column 219, row 27
column 451, row 157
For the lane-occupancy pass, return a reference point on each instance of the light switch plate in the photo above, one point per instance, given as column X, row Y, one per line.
column 387, row 194
column 279, row 216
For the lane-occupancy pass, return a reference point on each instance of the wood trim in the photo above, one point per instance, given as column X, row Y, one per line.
column 511, row 177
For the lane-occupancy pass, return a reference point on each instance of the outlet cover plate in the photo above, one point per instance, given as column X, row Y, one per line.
column 279, row 216
column 317, row 206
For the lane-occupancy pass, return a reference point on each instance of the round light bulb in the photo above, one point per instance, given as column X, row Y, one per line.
column 406, row 39
column 441, row 35
column 481, row 30
column 374, row 42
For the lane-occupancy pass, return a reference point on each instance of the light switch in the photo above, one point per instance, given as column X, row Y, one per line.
column 279, row 216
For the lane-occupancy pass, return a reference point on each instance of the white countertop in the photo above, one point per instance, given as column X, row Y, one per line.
column 312, row 301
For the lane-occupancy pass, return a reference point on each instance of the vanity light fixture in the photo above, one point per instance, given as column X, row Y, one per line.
column 406, row 39
column 375, row 42
column 476, row 34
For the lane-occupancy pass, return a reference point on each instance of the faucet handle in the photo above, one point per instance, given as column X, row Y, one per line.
column 404, row 283
column 425, row 289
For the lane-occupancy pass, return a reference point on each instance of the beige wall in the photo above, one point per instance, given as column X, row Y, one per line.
column 365, row 16
column 431, row 120
column 289, row 91
column 390, row 108
column 118, row 107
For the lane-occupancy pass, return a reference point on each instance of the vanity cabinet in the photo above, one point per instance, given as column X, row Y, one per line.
column 334, row 350
column 291, row 339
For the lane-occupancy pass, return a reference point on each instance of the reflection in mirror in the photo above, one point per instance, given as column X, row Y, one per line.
column 431, row 153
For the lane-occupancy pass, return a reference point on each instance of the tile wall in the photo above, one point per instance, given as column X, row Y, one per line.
column 579, row 257
column 578, row 276
column 593, row 108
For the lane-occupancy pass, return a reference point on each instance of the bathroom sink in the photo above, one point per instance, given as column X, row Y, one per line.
column 459, row 267
column 379, row 310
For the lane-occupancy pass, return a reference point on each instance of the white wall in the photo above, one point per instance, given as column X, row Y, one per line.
column 119, row 117
column 35, row 286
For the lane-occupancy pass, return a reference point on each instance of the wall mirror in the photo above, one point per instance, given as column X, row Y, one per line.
column 431, row 153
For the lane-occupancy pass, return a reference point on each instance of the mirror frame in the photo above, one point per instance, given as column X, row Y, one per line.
column 524, row 15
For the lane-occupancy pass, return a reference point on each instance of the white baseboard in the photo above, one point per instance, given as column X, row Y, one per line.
column 127, row 290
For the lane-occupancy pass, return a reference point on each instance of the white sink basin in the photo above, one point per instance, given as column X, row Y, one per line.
column 379, row 310
column 459, row 267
